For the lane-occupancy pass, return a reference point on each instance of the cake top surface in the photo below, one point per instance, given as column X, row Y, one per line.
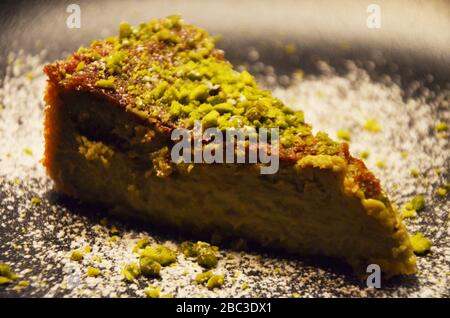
column 171, row 71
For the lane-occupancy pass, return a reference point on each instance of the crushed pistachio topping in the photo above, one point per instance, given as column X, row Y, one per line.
column 364, row 154
column 131, row 271
column 441, row 127
column 211, row 280
column 141, row 244
column 23, row 284
column 415, row 173
column 290, row 49
column 418, row 202
column 372, row 125
column 6, row 274
column 159, row 253
column 35, row 200
column 28, row 151
column 203, row 277
column 215, row 281
column 114, row 230
column 204, row 253
column 442, row 192
column 381, row 164
column 106, row 83
column 171, row 71
column 76, row 255
column 411, row 207
column 420, row 243
column 80, row 66
column 148, row 266
column 406, row 214
column 92, row 272
column 343, row 134
column 153, row 292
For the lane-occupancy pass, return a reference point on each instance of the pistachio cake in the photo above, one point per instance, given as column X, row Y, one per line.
column 113, row 105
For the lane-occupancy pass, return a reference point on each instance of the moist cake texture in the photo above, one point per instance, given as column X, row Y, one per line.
column 112, row 107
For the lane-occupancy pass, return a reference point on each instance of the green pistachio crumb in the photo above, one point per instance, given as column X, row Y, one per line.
column 165, row 35
column 199, row 93
column 35, row 200
column 106, row 83
column 381, row 164
column 114, row 62
column 408, row 214
column 344, row 134
column 290, row 49
column 149, row 267
column 92, row 272
column 420, row 243
column 30, row 76
column 114, row 230
column 160, row 254
column 418, row 202
column 441, row 127
column 442, row 192
column 224, row 108
column 244, row 286
column 125, row 30
column 6, row 274
column 415, row 173
column 23, row 283
column 211, row 119
column 205, row 253
column 131, row 271
column 87, row 249
column 364, row 154
column 372, row 125
column 76, row 255
column 28, row 151
column 215, row 281
column 113, row 239
column 152, row 293
column 80, row 66
column 203, row 277
column 142, row 243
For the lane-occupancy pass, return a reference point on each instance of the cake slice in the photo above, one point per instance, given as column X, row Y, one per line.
column 113, row 106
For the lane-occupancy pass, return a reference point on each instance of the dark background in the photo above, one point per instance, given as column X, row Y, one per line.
column 414, row 36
